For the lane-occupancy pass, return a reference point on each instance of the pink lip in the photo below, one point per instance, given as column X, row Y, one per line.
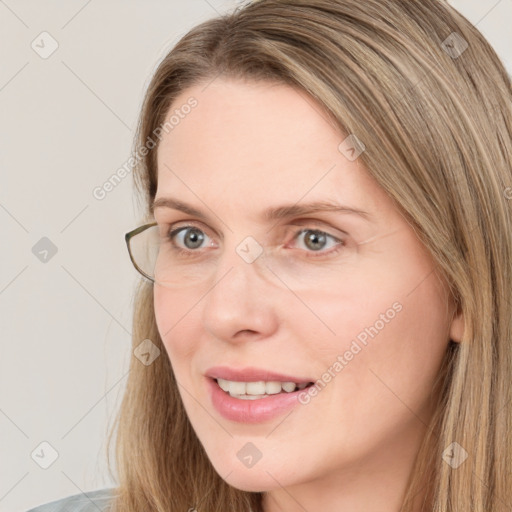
column 251, row 374
column 250, row 411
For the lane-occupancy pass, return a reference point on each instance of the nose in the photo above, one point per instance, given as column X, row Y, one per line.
column 242, row 303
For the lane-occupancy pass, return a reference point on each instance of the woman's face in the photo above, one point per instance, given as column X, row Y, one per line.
column 348, row 301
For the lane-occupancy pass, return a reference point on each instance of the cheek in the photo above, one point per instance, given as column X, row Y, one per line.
column 418, row 338
column 388, row 354
column 177, row 325
column 381, row 326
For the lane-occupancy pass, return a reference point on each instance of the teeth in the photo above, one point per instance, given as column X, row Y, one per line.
column 252, row 388
column 289, row 386
column 237, row 388
column 273, row 387
column 259, row 389
column 223, row 384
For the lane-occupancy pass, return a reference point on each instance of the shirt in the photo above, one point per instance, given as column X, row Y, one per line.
column 92, row 501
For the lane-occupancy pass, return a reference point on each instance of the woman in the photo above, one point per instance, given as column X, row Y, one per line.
column 326, row 315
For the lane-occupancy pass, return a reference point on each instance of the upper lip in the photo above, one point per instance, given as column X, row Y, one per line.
column 252, row 374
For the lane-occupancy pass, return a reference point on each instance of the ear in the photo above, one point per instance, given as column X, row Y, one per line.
column 457, row 326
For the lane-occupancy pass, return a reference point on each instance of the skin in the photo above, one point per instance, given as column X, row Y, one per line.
column 244, row 148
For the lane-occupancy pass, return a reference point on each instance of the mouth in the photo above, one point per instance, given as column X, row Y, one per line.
column 251, row 394
column 249, row 401
column 256, row 390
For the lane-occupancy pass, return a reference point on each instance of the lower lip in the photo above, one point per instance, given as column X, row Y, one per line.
column 251, row 411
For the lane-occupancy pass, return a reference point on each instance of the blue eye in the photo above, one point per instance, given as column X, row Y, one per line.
column 316, row 240
column 190, row 238
column 191, row 234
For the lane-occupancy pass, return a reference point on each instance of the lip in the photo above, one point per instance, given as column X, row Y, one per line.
column 252, row 374
column 251, row 411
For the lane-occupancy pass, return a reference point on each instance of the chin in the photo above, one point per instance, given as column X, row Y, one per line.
column 261, row 477
column 251, row 482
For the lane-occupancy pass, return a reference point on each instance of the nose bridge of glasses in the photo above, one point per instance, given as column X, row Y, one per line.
column 245, row 256
column 240, row 252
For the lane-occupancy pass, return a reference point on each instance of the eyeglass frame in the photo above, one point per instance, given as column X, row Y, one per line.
column 128, row 236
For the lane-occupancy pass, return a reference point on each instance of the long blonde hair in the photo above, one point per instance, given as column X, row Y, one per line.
column 431, row 100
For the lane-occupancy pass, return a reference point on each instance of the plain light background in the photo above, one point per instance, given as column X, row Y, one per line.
column 66, row 125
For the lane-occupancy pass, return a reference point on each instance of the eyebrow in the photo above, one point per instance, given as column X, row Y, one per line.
column 271, row 214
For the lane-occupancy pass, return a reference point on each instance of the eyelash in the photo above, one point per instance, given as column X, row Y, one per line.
column 311, row 254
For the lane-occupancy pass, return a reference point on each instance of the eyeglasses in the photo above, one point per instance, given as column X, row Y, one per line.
column 156, row 257
column 142, row 243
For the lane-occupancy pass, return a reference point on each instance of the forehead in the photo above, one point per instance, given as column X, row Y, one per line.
column 248, row 140
column 237, row 120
